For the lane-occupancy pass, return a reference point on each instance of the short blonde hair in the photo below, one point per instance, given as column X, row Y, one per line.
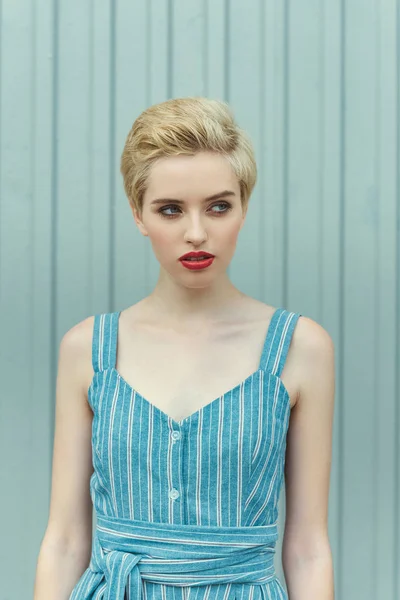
column 185, row 126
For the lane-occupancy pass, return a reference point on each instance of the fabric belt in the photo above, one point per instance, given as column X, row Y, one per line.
column 179, row 555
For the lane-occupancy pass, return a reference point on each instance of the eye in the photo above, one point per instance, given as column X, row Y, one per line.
column 227, row 206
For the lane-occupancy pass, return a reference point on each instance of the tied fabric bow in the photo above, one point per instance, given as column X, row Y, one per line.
column 179, row 555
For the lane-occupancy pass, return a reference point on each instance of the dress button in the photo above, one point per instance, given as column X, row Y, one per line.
column 176, row 435
column 174, row 493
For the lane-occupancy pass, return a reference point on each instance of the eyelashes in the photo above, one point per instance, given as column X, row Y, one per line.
column 227, row 205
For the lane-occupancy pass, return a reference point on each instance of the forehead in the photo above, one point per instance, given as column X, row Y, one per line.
column 202, row 174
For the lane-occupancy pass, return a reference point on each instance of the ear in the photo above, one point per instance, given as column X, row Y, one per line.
column 243, row 217
column 138, row 221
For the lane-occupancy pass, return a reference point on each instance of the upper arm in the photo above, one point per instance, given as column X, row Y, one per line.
column 309, row 444
column 70, row 515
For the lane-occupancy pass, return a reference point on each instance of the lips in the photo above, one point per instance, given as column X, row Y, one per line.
column 197, row 264
column 197, row 255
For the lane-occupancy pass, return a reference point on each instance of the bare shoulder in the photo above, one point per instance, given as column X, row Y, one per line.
column 312, row 335
column 70, row 515
column 78, row 335
column 314, row 344
column 76, row 349
column 311, row 354
column 315, row 354
column 308, row 334
column 309, row 338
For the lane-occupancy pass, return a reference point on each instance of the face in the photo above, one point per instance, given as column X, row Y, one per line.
column 192, row 203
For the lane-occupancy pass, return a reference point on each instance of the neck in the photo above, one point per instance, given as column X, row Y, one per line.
column 181, row 305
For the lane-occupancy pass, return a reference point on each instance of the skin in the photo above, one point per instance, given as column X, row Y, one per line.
column 193, row 225
column 203, row 297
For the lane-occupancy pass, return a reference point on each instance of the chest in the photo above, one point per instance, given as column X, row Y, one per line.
column 181, row 374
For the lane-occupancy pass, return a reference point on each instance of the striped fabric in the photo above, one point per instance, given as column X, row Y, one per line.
column 187, row 509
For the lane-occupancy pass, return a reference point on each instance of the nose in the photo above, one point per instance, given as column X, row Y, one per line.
column 195, row 231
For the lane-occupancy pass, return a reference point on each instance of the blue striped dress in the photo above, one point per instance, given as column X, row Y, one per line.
column 186, row 509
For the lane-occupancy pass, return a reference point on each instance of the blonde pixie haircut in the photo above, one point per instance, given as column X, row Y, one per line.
column 185, row 126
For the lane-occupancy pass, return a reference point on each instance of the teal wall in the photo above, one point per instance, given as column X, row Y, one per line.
column 316, row 84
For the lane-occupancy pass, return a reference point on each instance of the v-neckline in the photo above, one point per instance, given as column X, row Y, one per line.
column 200, row 410
column 216, row 400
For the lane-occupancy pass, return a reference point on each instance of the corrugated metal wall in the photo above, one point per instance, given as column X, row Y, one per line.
column 316, row 85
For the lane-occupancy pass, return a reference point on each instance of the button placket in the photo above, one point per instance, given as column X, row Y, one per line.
column 175, row 436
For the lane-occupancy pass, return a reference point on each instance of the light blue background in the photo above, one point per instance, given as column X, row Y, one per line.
column 316, row 84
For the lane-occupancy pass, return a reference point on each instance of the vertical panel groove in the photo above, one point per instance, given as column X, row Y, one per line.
column 377, row 312
column 342, row 175
column 148, row 57
column 396, row 552
column 33, row 188
column 91, row 129
column 321, row 158
column 260, row 175
column 204, row 11
column 112, row 163
column 54, row 220
column 227, row 87
column 286, row 129
column 170, row 42
column 1, row 113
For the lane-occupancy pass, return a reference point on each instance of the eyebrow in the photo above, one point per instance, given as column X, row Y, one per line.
column 213, row 197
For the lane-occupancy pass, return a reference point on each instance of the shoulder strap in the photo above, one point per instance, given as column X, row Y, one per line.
column 278, row 340
column 104, row 346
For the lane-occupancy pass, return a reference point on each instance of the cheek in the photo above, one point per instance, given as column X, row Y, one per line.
column 161, row 237
column 162, row 241
column 231, row 235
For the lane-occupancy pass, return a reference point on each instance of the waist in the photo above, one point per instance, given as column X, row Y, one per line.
column 126, row 551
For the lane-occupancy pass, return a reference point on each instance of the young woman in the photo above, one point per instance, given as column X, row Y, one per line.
column 174, row 413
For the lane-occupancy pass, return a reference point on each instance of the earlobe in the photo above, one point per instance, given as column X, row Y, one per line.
column 244, row 217
column 138, row 222
column 141, row 227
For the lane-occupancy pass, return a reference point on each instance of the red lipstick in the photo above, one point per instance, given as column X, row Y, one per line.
column 197, row 260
